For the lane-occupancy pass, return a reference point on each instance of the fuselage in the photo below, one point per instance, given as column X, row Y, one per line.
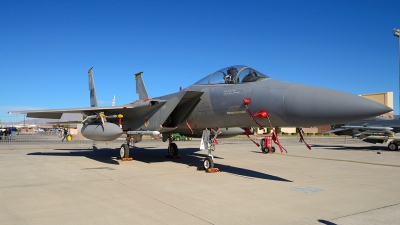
column 217, row 100
column 288, row 104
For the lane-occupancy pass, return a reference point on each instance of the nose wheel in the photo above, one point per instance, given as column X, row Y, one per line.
column 209, row 144
column 208, row 163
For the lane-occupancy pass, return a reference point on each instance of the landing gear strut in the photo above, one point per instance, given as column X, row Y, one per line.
column 209, row 144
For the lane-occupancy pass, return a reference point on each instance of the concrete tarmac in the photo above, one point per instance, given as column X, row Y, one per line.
column 331, row 184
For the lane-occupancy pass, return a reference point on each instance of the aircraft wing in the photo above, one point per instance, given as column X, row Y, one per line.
column 128, row 111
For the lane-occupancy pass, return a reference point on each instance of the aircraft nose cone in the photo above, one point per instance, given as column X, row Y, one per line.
column 313, row 106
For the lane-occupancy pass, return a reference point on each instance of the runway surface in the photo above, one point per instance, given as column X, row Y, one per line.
column 73, row 183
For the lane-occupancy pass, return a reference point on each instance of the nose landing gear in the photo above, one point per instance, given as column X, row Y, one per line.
column 209, row 144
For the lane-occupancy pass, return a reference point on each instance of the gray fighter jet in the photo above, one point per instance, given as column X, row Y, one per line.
column 372, row 130
column 217, row 105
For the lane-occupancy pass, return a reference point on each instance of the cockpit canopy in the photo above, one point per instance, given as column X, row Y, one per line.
column 233, row 75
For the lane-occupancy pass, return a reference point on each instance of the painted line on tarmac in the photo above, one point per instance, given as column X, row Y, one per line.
column 370, row 210
column 332, row 147
column 342, row 160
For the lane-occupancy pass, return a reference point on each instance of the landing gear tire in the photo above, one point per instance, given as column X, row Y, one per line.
column 266, row 150
column 208, row 163
column 393, row 146
column 273, row 149
column 172, row 149
column 262, row 143
column 124, row 151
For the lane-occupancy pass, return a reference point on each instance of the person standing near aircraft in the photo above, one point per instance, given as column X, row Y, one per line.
column 65, row 134
column 7, row 134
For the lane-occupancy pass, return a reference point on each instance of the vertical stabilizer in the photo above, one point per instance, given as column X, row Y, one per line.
column 140, row 88
column 93, row 97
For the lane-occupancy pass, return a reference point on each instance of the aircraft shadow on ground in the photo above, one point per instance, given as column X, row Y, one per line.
column 104, row 155
column 326, row 222
column 346, row 147
column 190, row 157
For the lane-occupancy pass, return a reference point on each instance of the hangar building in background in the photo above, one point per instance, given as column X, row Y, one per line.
column 385, row 98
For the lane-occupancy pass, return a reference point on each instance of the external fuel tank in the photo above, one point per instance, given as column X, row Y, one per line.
column 101, row 132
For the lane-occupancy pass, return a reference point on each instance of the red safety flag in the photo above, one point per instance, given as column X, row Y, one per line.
column 215, row 141
column 302, row 138
column 276, row 139
column 247, row 132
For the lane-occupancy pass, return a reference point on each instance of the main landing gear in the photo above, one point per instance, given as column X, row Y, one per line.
column 172, row 150
column 172, row 147
column 124, row 149
column 206, row 143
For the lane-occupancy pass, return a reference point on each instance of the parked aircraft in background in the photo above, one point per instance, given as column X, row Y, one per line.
column 373, row 130
column 236, row 96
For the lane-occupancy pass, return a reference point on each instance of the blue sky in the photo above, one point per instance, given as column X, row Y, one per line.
column 47, row 47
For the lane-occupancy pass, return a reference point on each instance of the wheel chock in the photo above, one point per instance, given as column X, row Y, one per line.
column 213, row 170
column 200, row 168
column 127, row 159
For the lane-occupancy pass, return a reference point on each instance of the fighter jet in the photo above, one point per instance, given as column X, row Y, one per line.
column 233, row 97
column 372, row 130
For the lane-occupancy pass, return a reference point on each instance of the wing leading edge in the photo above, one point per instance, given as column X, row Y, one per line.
column 137, row 108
